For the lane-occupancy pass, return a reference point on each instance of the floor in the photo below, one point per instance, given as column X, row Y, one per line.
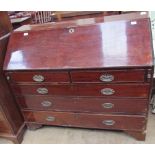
column 61, row 135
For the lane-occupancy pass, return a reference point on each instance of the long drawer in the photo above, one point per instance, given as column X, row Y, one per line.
column 109, row 76
column 38, row 76
column 87, row 120
column 100, row 90
column 83, row 104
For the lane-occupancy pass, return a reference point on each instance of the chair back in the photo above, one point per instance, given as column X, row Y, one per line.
column 41, row 17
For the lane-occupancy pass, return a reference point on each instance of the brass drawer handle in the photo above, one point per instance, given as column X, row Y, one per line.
column 108, row 122
column 42, row 90
column 71, row 30
column 107, row 91
column 46, row 103
column 38, row 78
column 107, row 105
column 50, row 119
column 106, row 77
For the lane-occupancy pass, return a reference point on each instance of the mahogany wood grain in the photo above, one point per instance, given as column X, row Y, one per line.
column 86, row 120
column 17, row 77
column 115, row 44
column 121, row 90
column 85, row 104
column 119, row 76
column 5, row 24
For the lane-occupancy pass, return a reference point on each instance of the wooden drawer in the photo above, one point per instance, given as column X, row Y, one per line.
column 100, row 90
column 39, row 76
column 84, row 104
column 4, row 126
column 109, row 76
column 87, row 120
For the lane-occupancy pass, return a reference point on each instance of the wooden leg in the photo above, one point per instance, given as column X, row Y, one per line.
column 32, row 126
column 138, row 135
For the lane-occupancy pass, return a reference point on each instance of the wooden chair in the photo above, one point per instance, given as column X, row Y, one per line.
column 41, row 17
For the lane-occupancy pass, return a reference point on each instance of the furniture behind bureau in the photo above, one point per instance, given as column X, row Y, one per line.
column 96, row 76
column 11, row 120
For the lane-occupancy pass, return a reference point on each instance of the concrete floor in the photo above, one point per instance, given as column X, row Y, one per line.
column 61, row 135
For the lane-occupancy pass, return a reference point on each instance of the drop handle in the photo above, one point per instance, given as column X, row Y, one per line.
column 42, row 90
column 107, row 91
column 106, row 78
column 38, row 78
column 50, row 119
column 108, row 122
column 108, row 105
column 46, row 103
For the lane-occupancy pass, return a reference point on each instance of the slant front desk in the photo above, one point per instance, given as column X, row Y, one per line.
column 94, row 76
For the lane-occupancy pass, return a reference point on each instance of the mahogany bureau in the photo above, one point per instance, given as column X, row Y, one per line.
column 93, row 76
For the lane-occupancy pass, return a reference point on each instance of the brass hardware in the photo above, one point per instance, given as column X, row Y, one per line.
column 107, row 91
column 38, row 78
column 8, row 77
column 46, row 103
column 50, row 119
column 106, row 78
column 42, row 90
column 149, row 76
column 71, row 30
column 133, row 22
column 107, row 105
column 108, row 122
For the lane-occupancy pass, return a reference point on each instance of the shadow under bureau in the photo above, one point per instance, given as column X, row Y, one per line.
column 92, row 76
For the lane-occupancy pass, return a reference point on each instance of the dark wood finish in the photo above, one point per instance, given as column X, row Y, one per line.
column 86, row 120
column 17, row 77
column 121, row 90
column 82, row 49
column 11, row 121
column 76, row 104
column 122, row 48
column 119, row 76
column 5, row 25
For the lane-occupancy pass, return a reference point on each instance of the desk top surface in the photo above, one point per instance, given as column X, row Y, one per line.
column 100, row 45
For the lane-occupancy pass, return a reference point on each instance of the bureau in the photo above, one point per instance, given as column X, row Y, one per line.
column 95, row 76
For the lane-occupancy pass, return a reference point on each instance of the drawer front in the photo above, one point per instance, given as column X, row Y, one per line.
column 38, row 77
column 4, row 126
column 84, row 104
column 108, row 76
column 86, row 120
column 115, row 90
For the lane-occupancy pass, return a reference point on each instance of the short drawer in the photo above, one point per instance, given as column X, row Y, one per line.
column 38, row 77
column 109, row 76
column 100, row 90
column 87, row 120
column 4, row 126
column 83, row 104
